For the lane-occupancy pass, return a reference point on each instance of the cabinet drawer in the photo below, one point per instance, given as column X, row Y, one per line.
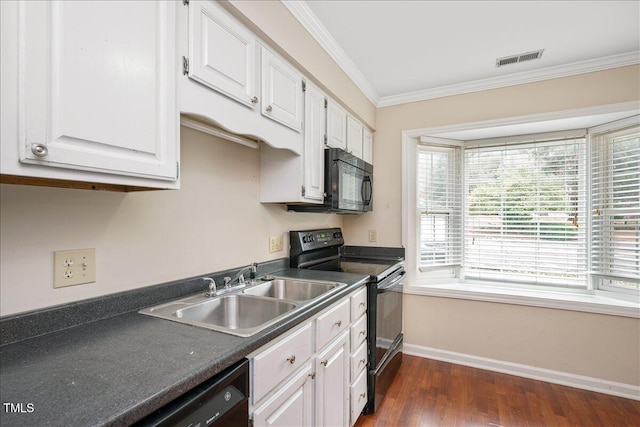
column 358, row 303
column 331, row 323
column 358, row 360
column 275, row 363
column 358, row 332
column 358, row 396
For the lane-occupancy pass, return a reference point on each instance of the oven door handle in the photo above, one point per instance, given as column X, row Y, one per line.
column 392, row 284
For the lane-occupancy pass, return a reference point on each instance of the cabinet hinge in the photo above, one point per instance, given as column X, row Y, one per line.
column 185, row 65
column 177, row 170
column 304, row 191
column 326, row 104
column 304, row 86
column 185, row 2
column 325, row 139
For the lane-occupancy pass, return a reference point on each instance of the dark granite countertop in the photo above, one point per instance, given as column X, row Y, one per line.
column 116, row 370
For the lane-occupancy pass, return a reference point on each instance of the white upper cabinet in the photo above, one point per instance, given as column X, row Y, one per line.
column 91, row 87
column 354, row 136
column 336, row 126
column 367, row 146
column 222, row 52
column 282, row 95
column 314, row 131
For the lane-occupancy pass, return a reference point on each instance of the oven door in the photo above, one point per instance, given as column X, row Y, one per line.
column 388, row 313
column 351, row 186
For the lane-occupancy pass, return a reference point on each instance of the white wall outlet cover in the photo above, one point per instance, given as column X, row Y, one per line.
column 74, row 267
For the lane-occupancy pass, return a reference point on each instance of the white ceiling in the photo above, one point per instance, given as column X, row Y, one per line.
column 402, row 51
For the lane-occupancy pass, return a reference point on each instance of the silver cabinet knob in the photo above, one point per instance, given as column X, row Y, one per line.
column 269, row 109
column 39, row 150
column 254, row 100
column 291, row 359
column 339, row 323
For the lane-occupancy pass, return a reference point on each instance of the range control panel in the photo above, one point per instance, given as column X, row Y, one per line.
column 308, row 240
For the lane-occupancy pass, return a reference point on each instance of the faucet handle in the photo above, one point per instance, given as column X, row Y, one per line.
column 227, row 281
column 212, row 287
column 241, row 279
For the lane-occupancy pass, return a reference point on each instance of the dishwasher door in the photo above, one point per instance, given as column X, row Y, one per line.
column 222, row 401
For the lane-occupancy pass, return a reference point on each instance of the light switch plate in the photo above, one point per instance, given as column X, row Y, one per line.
column 74, row 267
column 275, row 244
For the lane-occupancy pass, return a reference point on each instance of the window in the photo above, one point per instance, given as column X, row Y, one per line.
column 616, row 209
column 547, row 211
column 525, row 213
column 439, row 205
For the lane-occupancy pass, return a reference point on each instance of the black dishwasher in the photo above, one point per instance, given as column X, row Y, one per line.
column 222, row 401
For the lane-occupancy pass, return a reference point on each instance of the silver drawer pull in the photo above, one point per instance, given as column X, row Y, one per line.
column 324, row 362
column 254, row 100
column 339, row 323
column 313, row 376
column 363, row 361
column 362, row 333
column 362, row 304
column 291, row 359
column 363, row 395
column 269, row 109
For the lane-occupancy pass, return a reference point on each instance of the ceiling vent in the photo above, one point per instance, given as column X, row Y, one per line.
column 523, row 57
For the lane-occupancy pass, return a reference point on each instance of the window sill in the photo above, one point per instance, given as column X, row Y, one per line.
column 599, row 303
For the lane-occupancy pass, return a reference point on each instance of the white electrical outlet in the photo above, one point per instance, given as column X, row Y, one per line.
column 373, row 235
column 74, row 267
column 275, row 244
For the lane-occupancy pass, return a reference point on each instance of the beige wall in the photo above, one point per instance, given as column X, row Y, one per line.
column 599, row 346
column 214, row 222
column 273, row 22
column 593, row 345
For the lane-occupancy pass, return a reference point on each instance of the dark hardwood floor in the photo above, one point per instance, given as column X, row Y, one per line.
column 432, row 393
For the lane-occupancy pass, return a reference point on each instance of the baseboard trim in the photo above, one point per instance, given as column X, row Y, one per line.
column 556, row 377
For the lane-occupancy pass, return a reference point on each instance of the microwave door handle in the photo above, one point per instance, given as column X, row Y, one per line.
column 366, row 179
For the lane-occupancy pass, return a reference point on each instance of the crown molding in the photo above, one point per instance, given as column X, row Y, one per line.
column 301, row 11
column 582, row 67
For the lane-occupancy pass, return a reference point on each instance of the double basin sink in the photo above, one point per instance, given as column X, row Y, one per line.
column 248, row 310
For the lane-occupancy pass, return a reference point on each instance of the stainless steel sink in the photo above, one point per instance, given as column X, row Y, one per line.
column 293, row 290
column 236, row 311
column 244, row 312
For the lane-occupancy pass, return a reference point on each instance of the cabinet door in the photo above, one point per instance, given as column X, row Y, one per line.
column 332, row 385
column 336, row 126
column 354, row 137
column 222, row 52
column 367, row 146
column 98, row 86
column 291, row 406
column 282, row 95
column 314, row 128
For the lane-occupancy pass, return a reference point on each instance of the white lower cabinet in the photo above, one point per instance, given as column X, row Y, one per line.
column 306, row 376
column 332, row 383
column 291, row 405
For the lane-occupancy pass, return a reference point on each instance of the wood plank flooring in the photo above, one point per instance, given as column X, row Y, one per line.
column 431, row 393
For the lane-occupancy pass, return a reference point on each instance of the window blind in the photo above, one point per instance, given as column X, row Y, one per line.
column 616, row 207
column 525, row 213
column 439, row 206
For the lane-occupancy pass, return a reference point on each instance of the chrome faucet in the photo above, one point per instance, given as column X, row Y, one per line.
column 239, row 277
column 212, row 287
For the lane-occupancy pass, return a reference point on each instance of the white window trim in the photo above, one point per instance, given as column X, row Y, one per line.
column 591, row 301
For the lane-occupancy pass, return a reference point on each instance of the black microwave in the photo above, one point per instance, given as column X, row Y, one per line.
column 348, row 184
